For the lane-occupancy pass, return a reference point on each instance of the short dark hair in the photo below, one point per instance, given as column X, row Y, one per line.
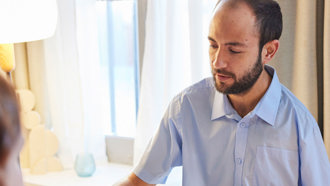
column 268, row 19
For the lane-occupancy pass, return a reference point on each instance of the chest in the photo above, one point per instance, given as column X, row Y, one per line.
column 246, row 152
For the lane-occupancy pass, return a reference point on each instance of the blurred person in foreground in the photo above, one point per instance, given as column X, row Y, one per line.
column 11, row 140
column 241, row 127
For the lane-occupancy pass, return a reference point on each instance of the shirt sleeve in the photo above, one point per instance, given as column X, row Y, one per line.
column 314, row 162
column 164, row 150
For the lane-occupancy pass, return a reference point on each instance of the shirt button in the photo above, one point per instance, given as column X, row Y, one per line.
column 242, row 125
column 239, row 161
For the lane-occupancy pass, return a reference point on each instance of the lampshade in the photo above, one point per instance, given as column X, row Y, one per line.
column 27, row 20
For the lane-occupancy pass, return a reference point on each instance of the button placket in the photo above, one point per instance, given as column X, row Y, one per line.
column 239, row 161
column 240, row 145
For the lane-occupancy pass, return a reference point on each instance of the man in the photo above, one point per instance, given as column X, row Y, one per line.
column 241, row 127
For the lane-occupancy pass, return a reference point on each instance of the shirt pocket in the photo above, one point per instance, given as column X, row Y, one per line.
column 275, row 167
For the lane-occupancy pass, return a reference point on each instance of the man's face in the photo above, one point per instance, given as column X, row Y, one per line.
column 234, row 48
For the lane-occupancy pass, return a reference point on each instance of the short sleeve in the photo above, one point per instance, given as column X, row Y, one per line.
column 314, row 162
column 164, row 150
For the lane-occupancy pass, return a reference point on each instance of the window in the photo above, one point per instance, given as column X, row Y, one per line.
column 118, row 45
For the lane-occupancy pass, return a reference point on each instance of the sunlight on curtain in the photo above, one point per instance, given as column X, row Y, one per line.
column 175, row 56
column 73, row 84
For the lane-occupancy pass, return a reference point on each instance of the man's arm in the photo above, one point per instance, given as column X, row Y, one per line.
column 132, row 180
column 163, row 152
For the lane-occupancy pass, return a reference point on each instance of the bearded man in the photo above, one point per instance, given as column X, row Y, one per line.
column 241, row 127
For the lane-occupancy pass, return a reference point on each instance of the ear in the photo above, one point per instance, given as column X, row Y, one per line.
column 269, row 50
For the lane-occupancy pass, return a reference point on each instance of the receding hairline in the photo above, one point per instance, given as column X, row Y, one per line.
column 267, row 13
column 235, row 4
column 230, row 3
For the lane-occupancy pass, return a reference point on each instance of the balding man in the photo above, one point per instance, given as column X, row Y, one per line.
column 241, row 127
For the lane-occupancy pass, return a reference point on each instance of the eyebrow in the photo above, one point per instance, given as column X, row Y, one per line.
column 236, row 44
column 211, row 39
column 230, row 43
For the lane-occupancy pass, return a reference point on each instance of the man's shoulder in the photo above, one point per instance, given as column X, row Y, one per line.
column 292, row 112
column 293, row 107
column 288, row 101
column 202, row 90
column 291, row 101
column 205, row 86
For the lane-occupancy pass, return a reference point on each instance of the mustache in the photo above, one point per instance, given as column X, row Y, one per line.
column 223, row 72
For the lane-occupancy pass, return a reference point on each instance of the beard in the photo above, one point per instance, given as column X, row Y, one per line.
column 240, row 85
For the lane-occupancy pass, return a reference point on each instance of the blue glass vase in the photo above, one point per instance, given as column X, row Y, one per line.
column 84, row 165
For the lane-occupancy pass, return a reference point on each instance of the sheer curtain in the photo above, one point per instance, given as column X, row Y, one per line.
column 73, row 82
column 174, row 58
column 63, row 72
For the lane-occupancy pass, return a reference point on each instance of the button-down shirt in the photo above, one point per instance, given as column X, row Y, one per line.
column 278, row 143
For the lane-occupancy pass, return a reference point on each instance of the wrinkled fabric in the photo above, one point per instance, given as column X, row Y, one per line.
column 277, row 143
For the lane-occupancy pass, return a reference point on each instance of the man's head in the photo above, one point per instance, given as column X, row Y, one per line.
column 243, row 37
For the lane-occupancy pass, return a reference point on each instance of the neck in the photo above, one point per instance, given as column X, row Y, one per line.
column 246, row 101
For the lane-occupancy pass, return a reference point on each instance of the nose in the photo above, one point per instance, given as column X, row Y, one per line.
column 219, row 59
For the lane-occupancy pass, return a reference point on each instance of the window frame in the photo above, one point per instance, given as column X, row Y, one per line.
column 115, row 144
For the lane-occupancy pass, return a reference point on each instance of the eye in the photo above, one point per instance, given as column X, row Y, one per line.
column 234, row 51
column 213, row 46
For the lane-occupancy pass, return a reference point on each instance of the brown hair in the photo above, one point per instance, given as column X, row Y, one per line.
column 268, row 17
column 10, row 129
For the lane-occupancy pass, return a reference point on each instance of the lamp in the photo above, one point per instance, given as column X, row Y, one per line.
column 27, row 20
column 23, row 21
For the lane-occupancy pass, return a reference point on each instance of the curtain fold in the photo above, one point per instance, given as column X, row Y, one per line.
column 63, row 73
column 156, row 87
column 20, row 74
column 170, row 60
column 73, row 82
column 326, row 72
column 36, row 66
column 283, row 60
column 305, row 61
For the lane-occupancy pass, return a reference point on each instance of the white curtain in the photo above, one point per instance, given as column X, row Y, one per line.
column 72, row 83
column 175, row 56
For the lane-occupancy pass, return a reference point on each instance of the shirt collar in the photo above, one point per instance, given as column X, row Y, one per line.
column 266, row 109
column 220, row 106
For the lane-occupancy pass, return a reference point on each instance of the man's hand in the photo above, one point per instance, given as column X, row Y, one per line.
column 132, row 180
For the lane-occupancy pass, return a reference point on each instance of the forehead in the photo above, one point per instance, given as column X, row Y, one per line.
column 233, row 21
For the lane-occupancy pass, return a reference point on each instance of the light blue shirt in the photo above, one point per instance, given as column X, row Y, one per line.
column 277, row 144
